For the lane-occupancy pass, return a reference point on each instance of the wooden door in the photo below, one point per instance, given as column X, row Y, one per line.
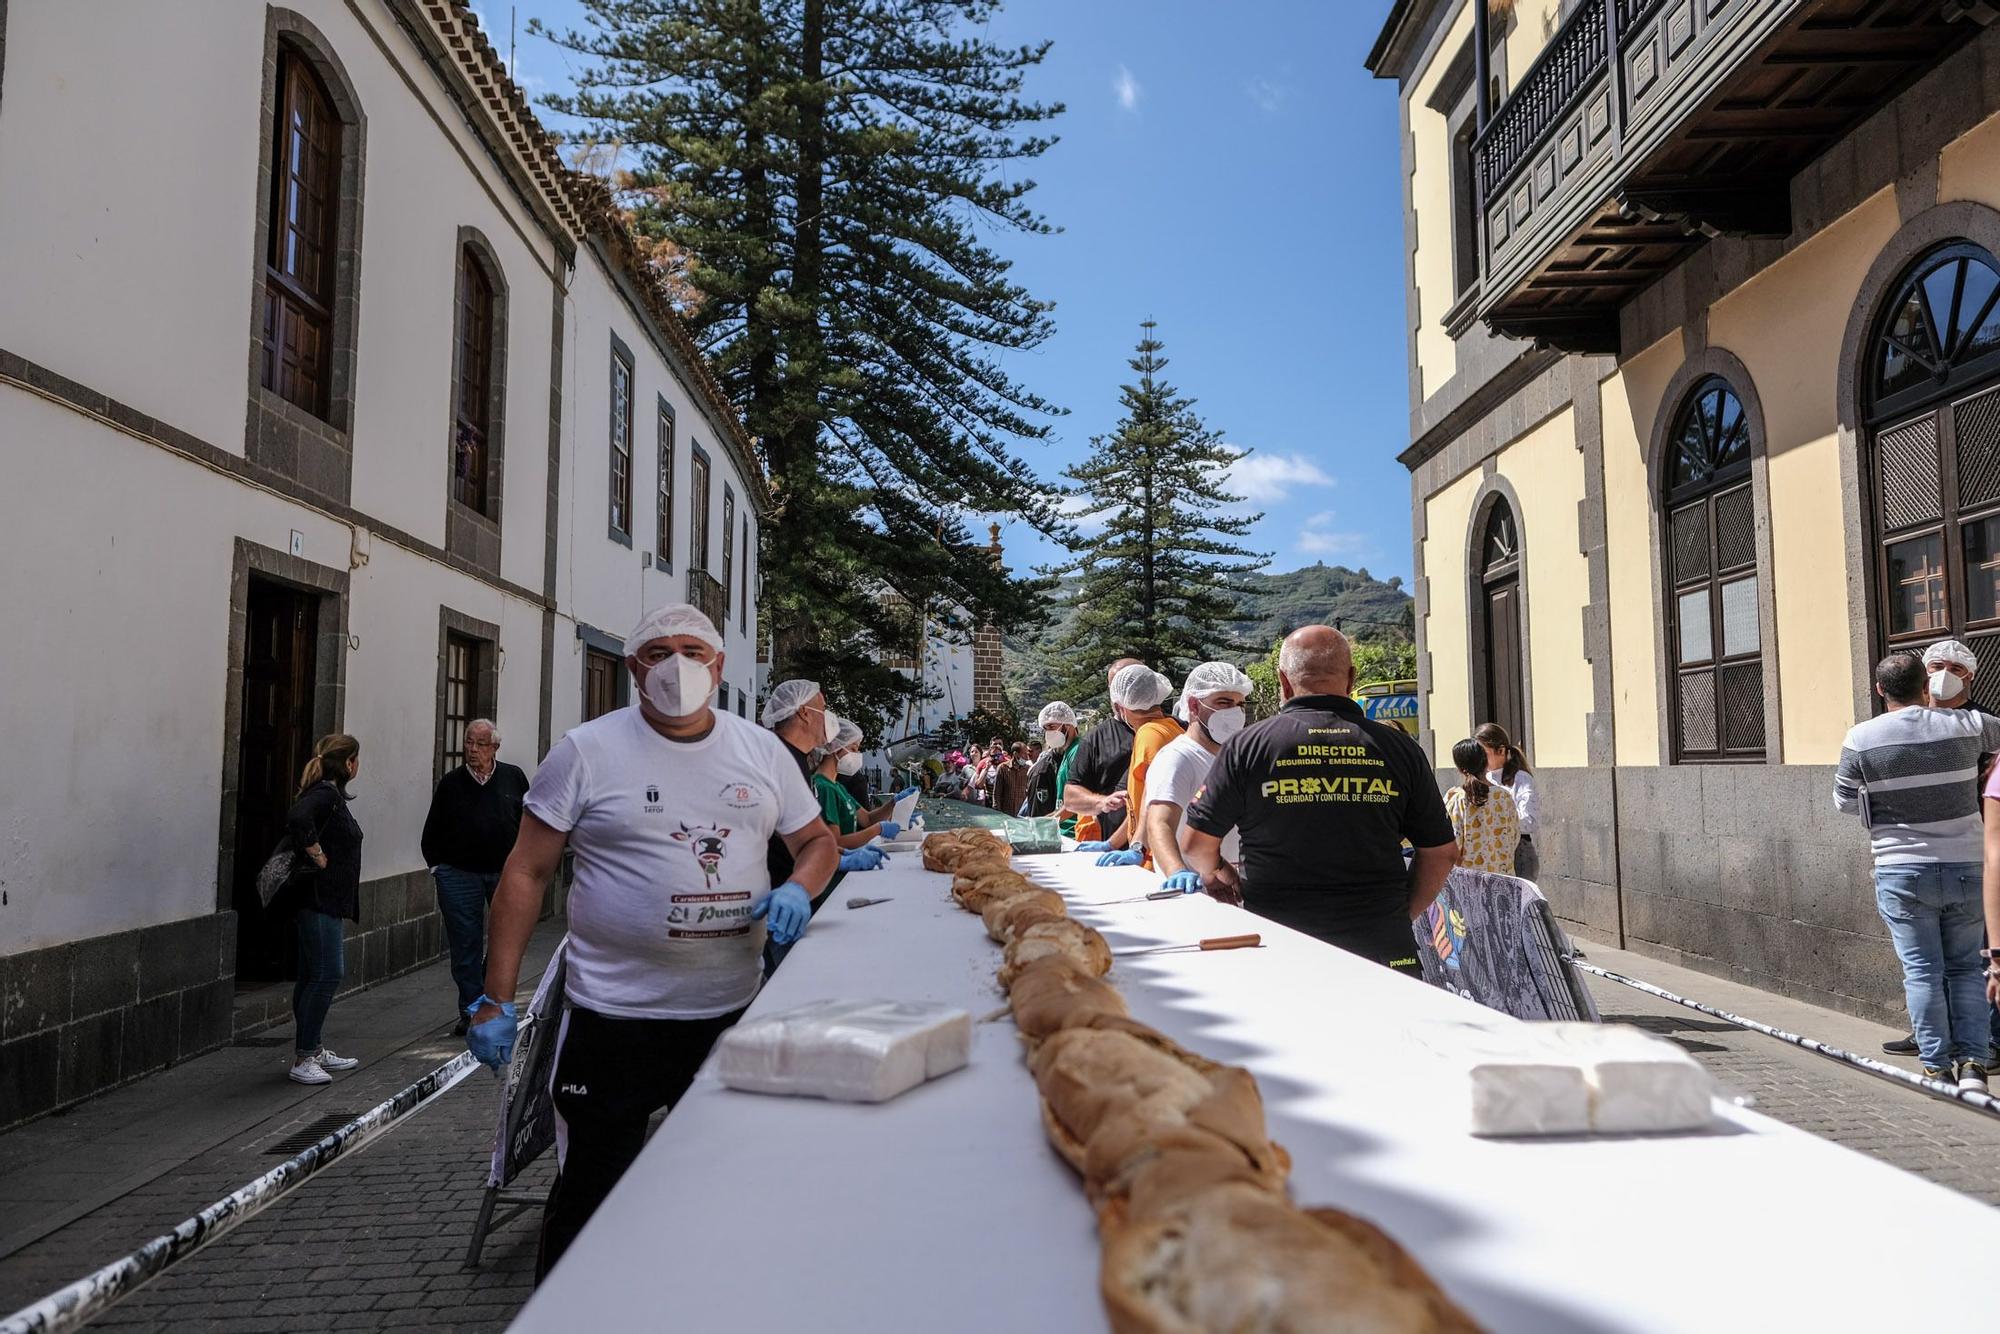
column 277, row 739
column 1504, row 692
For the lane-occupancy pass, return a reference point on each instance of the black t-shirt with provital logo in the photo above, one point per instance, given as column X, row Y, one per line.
column 1323, row 799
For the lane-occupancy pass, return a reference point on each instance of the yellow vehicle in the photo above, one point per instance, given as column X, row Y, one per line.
column 1393, row 702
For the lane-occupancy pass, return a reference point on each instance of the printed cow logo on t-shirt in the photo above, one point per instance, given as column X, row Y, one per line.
column 709, row 843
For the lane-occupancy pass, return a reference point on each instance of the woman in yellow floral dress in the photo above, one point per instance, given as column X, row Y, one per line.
column 1482, row 814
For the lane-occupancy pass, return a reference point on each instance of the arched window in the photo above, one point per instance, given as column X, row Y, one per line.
column 1933, row 413
column 473, row 416
column 1500, row 678
column 299, row 258
column 1711, row 562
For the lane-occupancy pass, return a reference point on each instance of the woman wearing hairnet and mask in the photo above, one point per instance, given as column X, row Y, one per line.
column 1045, row 780
column 1213, row 704
column 1139, row 694
column 853, row 828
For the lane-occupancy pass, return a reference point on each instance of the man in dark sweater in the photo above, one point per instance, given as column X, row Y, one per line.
column 475, row 814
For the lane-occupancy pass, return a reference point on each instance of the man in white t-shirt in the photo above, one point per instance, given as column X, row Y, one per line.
column 1212, row 707
column 668, row 806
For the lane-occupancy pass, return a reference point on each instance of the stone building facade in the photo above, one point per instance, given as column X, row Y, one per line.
column 330, row 401
column 1704, row 418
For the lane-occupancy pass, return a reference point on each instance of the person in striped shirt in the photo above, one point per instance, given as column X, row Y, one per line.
column 1911, row 774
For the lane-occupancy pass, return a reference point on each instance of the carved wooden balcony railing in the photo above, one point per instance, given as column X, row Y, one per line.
column 1648, row 126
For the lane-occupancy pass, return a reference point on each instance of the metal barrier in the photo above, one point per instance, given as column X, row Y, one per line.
column 69, row 1307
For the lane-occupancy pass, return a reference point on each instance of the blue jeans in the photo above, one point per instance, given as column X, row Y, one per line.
column 463, row 898
column 322, row 963
column 1936, row 920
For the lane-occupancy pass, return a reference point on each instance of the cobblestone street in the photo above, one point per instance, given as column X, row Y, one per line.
column 378, row 1241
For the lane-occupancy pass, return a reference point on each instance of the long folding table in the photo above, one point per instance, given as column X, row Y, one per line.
column 946, row 1210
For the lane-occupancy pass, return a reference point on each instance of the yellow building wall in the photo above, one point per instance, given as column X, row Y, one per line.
column 1969, row 167
column 1786, row 325
column 1629, row 401
column 1430, row 201
column 1447, row 625
column 1533, row 24
column 1546, row 472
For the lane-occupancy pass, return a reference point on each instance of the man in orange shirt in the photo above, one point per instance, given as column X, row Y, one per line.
column 1139, row 694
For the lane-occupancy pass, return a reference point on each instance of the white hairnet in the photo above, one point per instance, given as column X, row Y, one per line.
column 1056, row 714
column 675, row 618
column 787, row 699
column 1951, row 650
column 1211, row 678
column 845, row 734
column 1140, row 687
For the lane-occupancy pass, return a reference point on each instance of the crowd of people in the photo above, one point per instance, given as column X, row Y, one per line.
column 704, row 843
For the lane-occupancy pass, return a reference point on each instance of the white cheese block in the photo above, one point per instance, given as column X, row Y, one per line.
column 1573, row 1078
column 850, row 1051
column 1522, row 1096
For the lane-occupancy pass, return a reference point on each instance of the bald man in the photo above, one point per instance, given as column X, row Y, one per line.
column 1322, row 799
column 1092, row 780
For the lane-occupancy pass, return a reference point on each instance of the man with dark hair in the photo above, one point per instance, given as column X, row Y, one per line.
column 1911, row 774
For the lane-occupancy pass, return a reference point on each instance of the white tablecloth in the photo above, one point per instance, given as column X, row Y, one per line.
column 946, row 1209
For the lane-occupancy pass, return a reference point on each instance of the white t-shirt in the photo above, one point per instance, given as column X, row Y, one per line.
column 670, row 839
column 1175, row 775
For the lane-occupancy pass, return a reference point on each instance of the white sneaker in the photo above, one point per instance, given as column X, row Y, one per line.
column 330, row 1060
column 309, row 1071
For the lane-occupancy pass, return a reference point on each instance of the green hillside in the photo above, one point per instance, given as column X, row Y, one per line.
column 1272, row 605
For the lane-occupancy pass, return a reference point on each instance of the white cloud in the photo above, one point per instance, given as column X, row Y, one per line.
column 1268, row 95
column 1072, row 508
column 1319, row 538
column 1263, row 477
column 1127, row 88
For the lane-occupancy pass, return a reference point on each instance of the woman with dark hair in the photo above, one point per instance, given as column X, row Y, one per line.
column 1482, row 813
column 1507, row 767
column 326, row 895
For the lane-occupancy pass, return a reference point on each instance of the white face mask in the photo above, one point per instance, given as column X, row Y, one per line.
column 1222, row 724
column 849, row 764
column 1052, row 738
column 829, row 726
column 678, row 686
column 1945, row 686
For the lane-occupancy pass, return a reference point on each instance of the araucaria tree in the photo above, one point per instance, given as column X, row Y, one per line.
column 1157, row 575
column 828, row 167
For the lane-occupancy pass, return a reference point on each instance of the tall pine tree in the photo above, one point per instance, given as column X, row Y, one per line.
column 1157, row 577
column 828, row 165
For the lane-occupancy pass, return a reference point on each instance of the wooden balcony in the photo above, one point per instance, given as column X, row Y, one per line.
column 706, row 595
column 1647, row 126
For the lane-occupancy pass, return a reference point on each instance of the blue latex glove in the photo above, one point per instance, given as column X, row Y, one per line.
column 888, row 829
column 1122, row 857
column 862, row 859
column 1187, row 882
column 1093, row 845
column 492, row 1043
column 908, row 792
column 786, row 912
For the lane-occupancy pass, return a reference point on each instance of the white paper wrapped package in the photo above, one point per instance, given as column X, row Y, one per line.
column 850, row 1051
column 1573, row 1078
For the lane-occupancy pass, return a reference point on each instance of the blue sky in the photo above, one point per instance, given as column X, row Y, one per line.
column 1231, row 172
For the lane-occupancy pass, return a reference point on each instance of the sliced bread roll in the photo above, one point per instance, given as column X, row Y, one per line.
column 1054, row 993
column 1004, row 917
column 1073, row 940
column 1242, row 1259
